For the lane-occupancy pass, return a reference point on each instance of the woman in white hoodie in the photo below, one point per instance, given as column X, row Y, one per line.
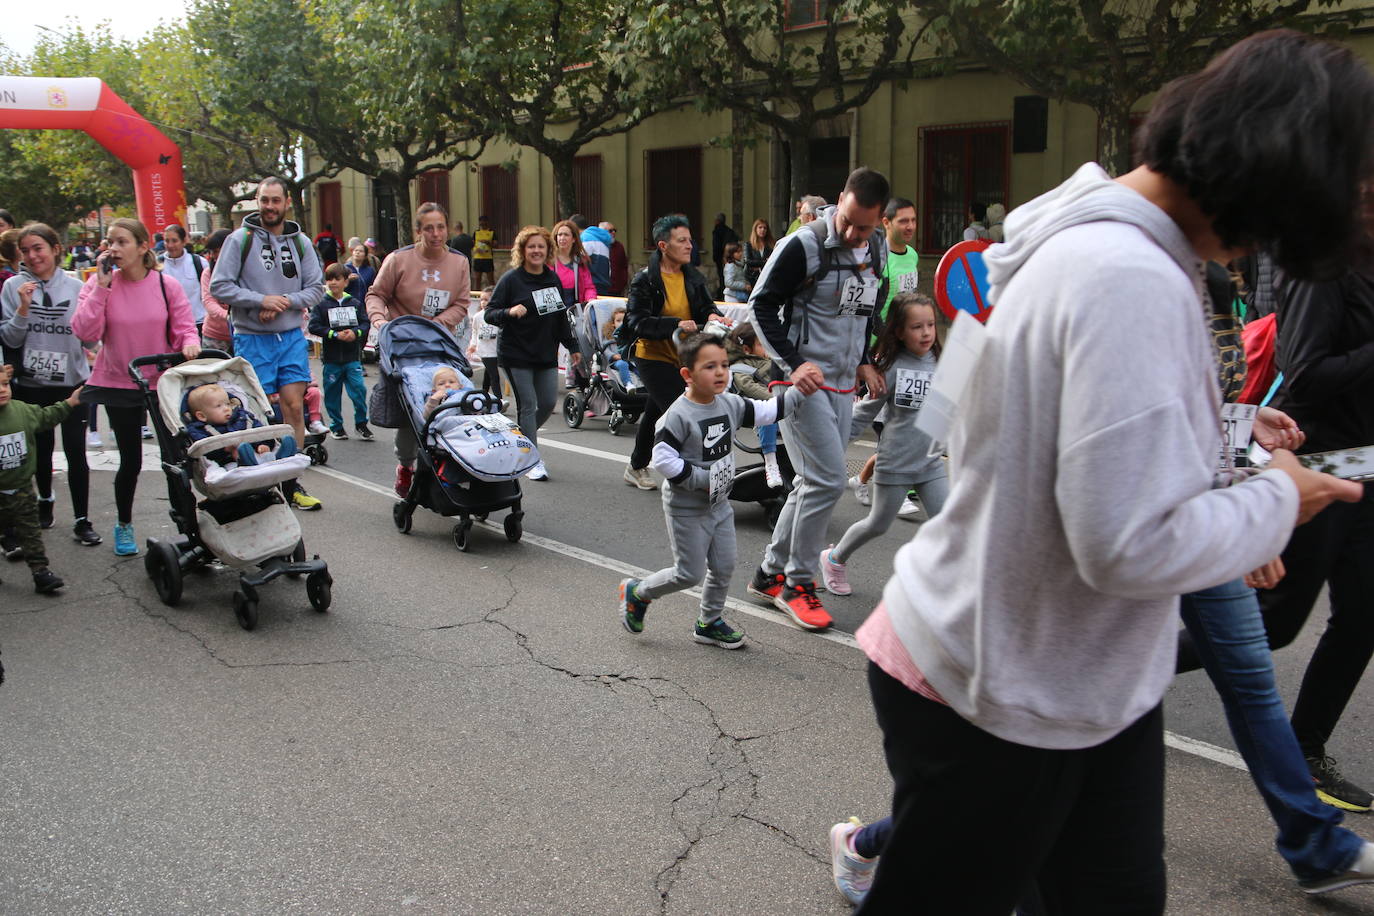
column 1026, row 639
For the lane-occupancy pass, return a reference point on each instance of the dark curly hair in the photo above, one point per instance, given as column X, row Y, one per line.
column 1272, row 139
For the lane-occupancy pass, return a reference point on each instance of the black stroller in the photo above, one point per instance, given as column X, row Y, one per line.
column 751, row 486
column 243, row 521
column 601, row 391
column 471, row 456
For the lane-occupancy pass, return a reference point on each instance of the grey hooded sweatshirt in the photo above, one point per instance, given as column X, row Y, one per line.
column 1042, row 603
column 241, row 283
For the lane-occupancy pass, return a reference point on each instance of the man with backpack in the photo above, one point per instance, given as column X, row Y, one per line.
column 186, row 267
column 269, row 276
column 813, row 308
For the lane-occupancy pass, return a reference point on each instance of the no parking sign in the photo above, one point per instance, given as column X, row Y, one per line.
column 961, row 281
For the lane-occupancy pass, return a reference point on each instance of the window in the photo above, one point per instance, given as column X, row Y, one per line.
column 434, row 188
column 501, row 202
column 329, row 207
column 802, row 13
column 829, row 167
column 673, row 179
column 962, row 165
column 587, row 183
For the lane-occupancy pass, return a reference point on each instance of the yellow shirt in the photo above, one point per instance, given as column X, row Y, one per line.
column 674, row 307
column 482, row 242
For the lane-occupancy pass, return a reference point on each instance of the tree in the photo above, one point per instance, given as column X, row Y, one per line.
column 1108, row 56
column 359, row 89
column 550, row 75
column 745, row 56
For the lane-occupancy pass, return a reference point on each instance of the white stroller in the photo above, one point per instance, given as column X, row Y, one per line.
column 243, row 520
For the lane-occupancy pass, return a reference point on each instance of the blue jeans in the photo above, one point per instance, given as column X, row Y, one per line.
column 336, row 377
column 768, row 438
column 622, row 368
column 1229, row 637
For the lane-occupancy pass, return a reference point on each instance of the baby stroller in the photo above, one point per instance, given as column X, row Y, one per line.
column 471, row 456
column 243, row 521
column 601, row 390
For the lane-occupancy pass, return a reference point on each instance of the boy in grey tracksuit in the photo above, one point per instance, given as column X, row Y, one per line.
column 813, row 305
column 692, row 450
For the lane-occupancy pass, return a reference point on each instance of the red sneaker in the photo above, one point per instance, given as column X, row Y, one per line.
column 404, row 476
column 766, row 587
column 801, row 604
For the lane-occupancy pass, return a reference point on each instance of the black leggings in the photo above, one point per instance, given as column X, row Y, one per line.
column 665, row 384
column 127, row 425
column 73, row 446
column 491, row 376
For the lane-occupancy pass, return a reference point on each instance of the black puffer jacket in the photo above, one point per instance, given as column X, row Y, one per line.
column 644, row 310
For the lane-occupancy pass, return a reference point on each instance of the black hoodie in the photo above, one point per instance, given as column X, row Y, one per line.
column 531, row 341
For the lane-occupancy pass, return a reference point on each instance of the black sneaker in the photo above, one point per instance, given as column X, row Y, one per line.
column 45, row 507
column 46, row 581
column 1335, row 789
column 84, row 532
column 9, row 544
column 364, row 433
column 338, row 433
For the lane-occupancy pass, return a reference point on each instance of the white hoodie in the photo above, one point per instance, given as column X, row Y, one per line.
column 1042, row 601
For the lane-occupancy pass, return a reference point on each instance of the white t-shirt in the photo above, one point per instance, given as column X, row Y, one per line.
column 183, row 270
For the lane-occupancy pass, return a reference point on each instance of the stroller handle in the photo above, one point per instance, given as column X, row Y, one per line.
column 163, row 362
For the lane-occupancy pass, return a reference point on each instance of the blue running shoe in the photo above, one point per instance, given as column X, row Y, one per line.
column 125, row 544
column 718, row 633
column 632, row 608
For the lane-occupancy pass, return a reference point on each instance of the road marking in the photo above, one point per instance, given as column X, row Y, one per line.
column 1183, row 743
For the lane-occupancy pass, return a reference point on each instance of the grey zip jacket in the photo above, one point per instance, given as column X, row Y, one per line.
column 242, row 283
column 1042, row 602
column 819, row 329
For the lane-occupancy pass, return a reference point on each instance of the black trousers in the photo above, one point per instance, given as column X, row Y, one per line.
column 981, row 824
column 664, row 384
column 1337, row 549
column 127, row 425
column 73, row 446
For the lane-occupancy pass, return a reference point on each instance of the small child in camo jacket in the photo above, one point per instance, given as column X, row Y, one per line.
column 18, row 462
column 692, row 452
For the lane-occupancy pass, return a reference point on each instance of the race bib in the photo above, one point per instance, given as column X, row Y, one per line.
column 549, row 299
column 858, row 297
column 722, row 478
column 45, row 365
column 494, row 422
column 906, row 283
column 436, row 300
column 343, row 316
column 911, row 387
column 1237, row 426
column 13, row 448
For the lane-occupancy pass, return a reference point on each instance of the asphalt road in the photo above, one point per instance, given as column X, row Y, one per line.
column 476, row 733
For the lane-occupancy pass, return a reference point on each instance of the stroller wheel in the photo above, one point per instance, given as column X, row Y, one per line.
column 246, row 610
column 462, row 535
column 164, row 568
column 513, row 527
column 573, row 406
column 317, row 589
column 401, row 517
column 616, row 423
column 318, row 454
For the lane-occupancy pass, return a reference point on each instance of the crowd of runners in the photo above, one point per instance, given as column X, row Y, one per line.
column 1083, row 499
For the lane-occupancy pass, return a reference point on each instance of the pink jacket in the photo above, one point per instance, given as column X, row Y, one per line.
column 586, row 291
column 216, row 326
column 132, row 320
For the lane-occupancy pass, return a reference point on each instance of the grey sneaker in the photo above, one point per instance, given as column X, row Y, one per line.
column 853, row 874
column 1361, row 871
column 640, row 477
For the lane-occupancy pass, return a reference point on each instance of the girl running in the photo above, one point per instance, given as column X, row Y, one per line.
column 906, row 354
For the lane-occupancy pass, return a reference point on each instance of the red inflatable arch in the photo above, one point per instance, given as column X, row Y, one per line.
column 39, row 103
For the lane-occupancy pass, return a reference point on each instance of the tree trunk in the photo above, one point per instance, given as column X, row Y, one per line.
column 400, row 190
column 1114, row 137
column 564, row 188
column 779, row 205
column 737, row 174
column 799, row 156
column 302, row 213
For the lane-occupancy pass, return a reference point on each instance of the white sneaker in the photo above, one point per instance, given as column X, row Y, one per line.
column 1361, row 871
column 316, row 428
column 93, row 439
column 639, row 477
column 835, row 575
column 860, row 491
column 147, row 432
column 771, row 474
column 911, row 511
column 538, row 472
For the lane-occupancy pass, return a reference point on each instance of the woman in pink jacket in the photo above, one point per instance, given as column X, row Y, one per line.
column 215, row 333
column 133, row 311
column 570, row 260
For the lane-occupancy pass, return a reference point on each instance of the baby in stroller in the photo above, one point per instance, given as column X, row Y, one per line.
column 611, row 352
column 215, row 413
